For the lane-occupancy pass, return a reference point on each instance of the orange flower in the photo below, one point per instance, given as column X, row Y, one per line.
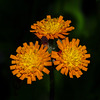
column 30, row 61
column 72, row 59
column 52, row 28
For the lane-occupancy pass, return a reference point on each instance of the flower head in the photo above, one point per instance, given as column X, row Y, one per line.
column 71, row 58
column 52, row 28
column 30, row 61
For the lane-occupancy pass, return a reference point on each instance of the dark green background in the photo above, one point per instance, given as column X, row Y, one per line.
column 16, row 17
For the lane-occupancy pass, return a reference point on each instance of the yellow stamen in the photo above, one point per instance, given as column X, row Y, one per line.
column 71, row 56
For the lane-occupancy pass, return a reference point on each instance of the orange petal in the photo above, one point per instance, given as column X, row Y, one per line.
column 18, row 67
column 60, row 18
column 68, row 22
column 70, row 28
column 85, row 51
column 77, row 75
column 61, row 36
column 77, row 42
column 70, row 74
column 19, row 49
column 45, row 49
column 64, row 43
column 29, row 81
column 33, row 27
column 48, row 63
column 67, row 41
column 15, row 72
column 66, row 71
column 39, row 77
column 73, row 72
column 51, row 37
column 41, row 67
column 45, row 55
column 85, row 64
column 59, row 67
column 54, row 52
column 46, row 70
column 14, row 62
column 32, row 30
column 55, row 36
column 38, row 35
column 46, row 59
column 33, row 77
column 79, row 48
column 41, row 48
column 86, row 61
column 80, row 72
column 48, row 37
column 48, row 16
column 40, row 73
column 59, row 58
column 83, row 47
column 80, row 66
column 23, row 77
column 22, row 71
column 36, row 45
column 13, row 57
column 65, row 33
column 87, row 55
column 40, row 24
column 77, row 69
column 60, row 45
column 54, row 56
column 84, row 68
column 70, row 44
column 31, row 44
column 18, row 75
column 25, row 44
column 73, row 42
column 63, row 70
column 56, row 62
column 12, row 67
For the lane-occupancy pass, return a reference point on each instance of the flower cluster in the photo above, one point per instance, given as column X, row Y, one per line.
column 31, row 60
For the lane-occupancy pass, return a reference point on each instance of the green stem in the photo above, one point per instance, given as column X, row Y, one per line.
column 50, row 44
column 51, row 83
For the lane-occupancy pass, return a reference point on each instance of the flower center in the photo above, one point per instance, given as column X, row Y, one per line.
column 71, row 57
column 29, row 60
column 51, row 26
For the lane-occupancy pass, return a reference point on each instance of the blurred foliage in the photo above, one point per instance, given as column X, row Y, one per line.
column 16, row 17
